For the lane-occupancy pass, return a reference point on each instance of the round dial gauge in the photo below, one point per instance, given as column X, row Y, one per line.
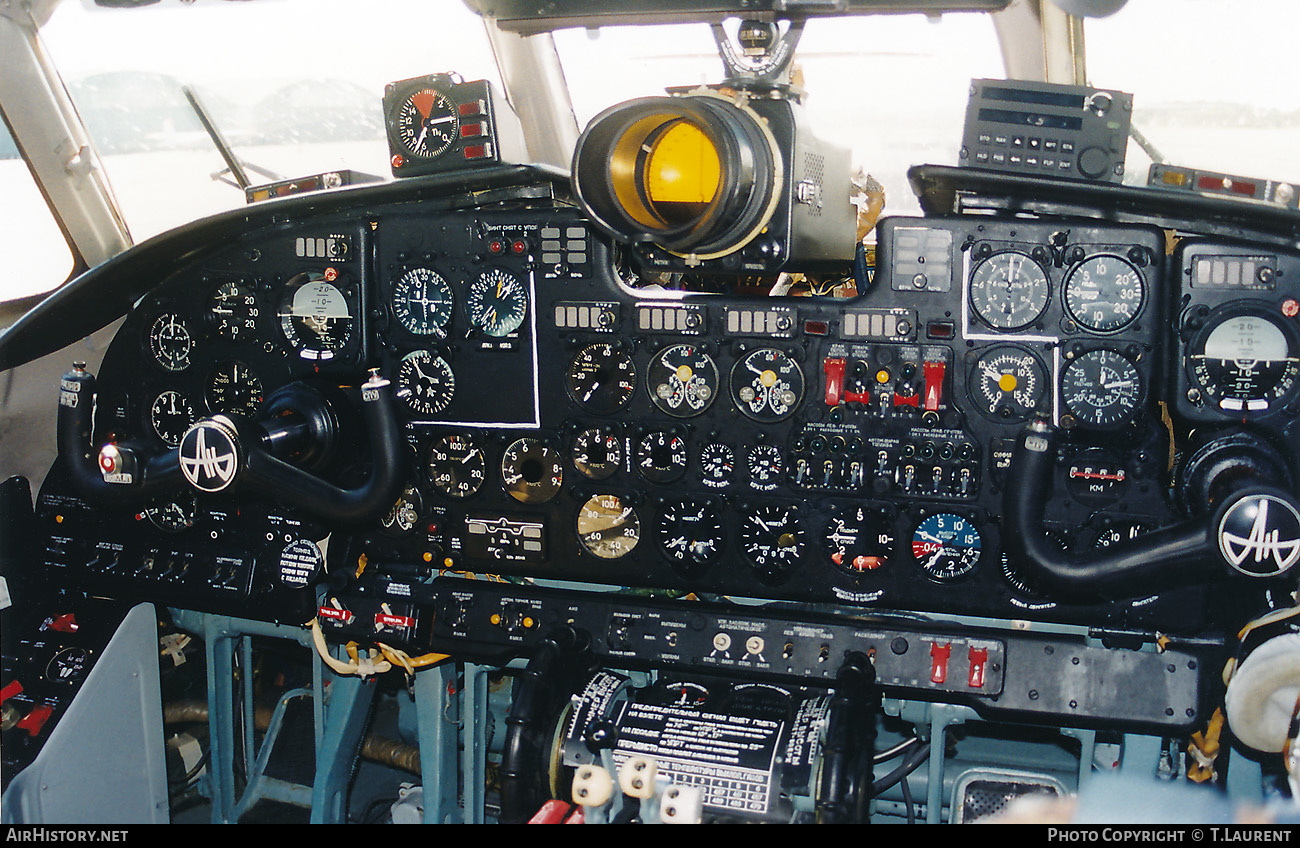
column 946, row 545
column 234, row 388
column 405, row 514
column 69, row 665
column 497, row 303
column 858, row 540
column 1009, row 290
column 1101, row 389
column 683, row 380
column 690, row 532
column 427, row 123
column 601, row 378
column 773, row 539
column 314, row 316
column 1104, row 293
column 457, row 466
column 170, row 342
column 1245, row 363
column 661, row 456
column 170, row 415
column 1115, row 534
column 765, row 467
column 173, row 516
column 1008, row 383
column 425, row 382
column 531, row 471
column 608, row 527
column 767, row 385
column 597, row 453
column 717, row 465
column 422, row 302
column 232, row 310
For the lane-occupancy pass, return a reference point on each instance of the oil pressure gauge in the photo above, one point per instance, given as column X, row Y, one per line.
column 767, row 385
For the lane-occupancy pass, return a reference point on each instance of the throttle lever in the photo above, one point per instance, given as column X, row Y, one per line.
column 1255, row 532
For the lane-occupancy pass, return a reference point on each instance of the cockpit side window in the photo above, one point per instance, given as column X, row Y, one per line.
column 34, row 254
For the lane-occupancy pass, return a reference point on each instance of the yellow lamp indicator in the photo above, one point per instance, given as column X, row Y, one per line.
column 1175, row 178
column 767, row 378
column 682, row 171
column 882, row 376
column 684, row 373
column 1007, row 382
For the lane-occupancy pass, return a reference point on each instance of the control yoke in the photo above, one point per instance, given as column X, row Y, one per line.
column 1253, row 530
column 220, row 453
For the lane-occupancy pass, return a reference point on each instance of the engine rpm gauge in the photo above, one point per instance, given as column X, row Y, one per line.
column 427, row 123
column 661, row 456
column 497, row 303
column 601, row 378
column 315, row 317
column 531, row 471
column 457, row 466
column 422, row 302
column 1009, row 290
column 1104, row 293
column 767, row 385
column 597, row 453
column 683, row 380
column 1244, row 363
column 608, row 526
column 1101, row 389
column 170, row 342
column 425, row 382
column 946, row 545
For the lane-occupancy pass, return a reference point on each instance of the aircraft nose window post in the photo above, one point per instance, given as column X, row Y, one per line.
column 511, row 436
